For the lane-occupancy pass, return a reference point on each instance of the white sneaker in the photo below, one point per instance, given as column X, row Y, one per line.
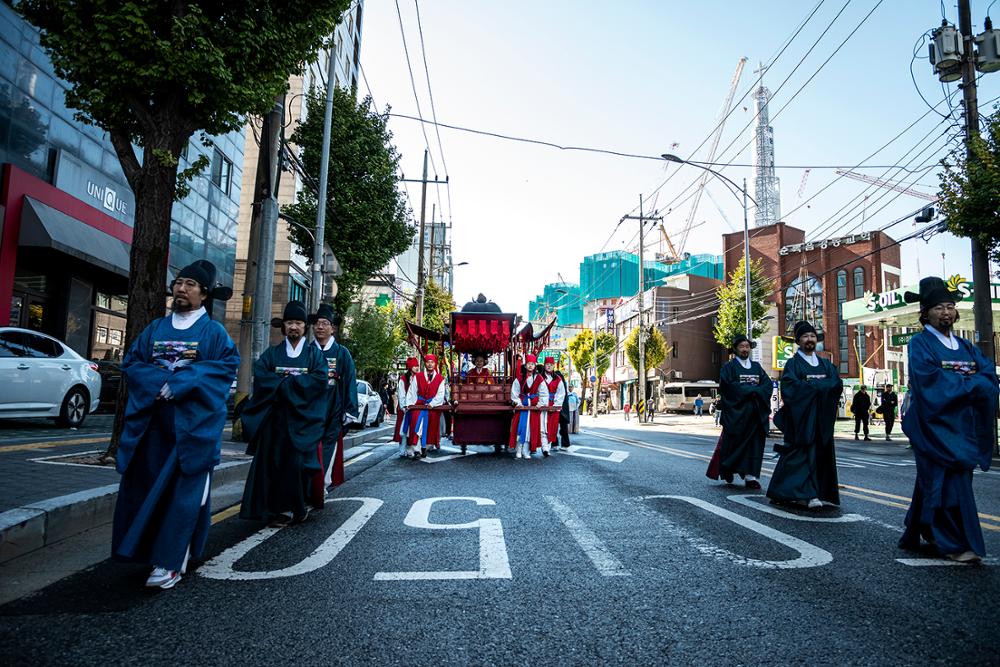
column 814, row 503
column 162, row 578
column 518, row 454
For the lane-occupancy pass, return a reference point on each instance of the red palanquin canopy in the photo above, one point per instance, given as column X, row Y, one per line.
column 481, row 332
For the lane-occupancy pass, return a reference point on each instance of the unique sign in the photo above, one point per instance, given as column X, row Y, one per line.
column 782, row 350
column 828, row 243
column 89, row 184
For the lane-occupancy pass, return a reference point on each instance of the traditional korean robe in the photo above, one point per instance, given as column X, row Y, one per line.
column 745, row 395
column 807, row 463
column 168, row 448
column 526, row 427
column 556, row 388
column 475, row 376
column 342, row 399
column 402, row 430
column 425, row 425
column 285, row 419
column 953, row 393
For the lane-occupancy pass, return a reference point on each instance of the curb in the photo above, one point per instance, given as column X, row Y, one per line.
column 45, row 522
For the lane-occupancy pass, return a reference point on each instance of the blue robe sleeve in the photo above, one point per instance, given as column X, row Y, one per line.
column 201, row 390
column 144, row 380
column 258, row 406
column 944, row 404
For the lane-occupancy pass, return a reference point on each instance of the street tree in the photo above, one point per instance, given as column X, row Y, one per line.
column 438, row 307
column 732, row 303
column 969, row 196
column 151, row 74
column 373, row 338
column 581, row 350
column 365, row 211
column 656, row 349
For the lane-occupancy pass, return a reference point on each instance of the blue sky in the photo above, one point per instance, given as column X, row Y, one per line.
column 639, row 77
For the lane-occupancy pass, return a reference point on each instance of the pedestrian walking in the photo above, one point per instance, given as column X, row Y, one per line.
column 528, row 392
column 745, row 393
column 888, row 410
column 557, row 397
column 699, row 405
column 342, row 394
column 427, row 392
column 951, row 425
column 716, row 409
column 806, row 472
column 861, row 406
column 178, row 372
column 573, row 403
column 403, row 416
column 627, row 410
column 650, row 410
column 285, row 420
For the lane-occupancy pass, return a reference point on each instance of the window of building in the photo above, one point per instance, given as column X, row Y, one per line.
column 715, row 356
column 859, row 282
column 843, row 352
column 673, row 349
column 296, row 290
column 222, row 170
column 804, row 301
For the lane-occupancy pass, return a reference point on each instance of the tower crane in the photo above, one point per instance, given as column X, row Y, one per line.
column 713, row 149
column 802, row 186
column 887, row 185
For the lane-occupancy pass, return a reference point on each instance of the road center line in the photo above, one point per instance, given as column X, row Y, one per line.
column 599, row 555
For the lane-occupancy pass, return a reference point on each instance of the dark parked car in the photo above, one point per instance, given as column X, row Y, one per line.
column 111, row 379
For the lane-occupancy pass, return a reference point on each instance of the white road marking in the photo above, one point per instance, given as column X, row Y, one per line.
column 613, row 455
column 784, row 514
column 493, row 562
column 221, row 567
column 357, row 458
column 809, row 555
column 447, row 448
column 599, row 555
column 940, row 562
column 53, row 460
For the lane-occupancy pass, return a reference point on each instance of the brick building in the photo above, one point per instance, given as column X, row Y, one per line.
column 813, row 281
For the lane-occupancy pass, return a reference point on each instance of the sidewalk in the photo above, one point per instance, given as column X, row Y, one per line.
column 44, row 501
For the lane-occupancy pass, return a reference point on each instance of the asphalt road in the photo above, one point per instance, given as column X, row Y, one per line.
column 575, row 559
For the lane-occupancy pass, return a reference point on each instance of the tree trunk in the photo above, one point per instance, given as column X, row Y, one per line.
column 154, row 185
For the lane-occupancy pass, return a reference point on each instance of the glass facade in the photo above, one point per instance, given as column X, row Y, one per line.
column 76, row 301
column 843, row 355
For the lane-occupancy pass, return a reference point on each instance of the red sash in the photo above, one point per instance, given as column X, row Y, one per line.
column 426, row 391
column 404, row 379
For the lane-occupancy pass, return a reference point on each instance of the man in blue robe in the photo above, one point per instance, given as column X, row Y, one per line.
column 341, row 390
column 284, row 420
column 950, row 424
column 806, row 473
column 179, row 371
column 745, row 401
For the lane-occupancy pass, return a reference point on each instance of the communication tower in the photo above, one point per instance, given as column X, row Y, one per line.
column 765, row 183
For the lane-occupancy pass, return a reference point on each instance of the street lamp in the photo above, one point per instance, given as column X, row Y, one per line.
column 746, row 229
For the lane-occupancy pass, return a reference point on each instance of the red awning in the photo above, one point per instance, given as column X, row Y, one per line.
column 481, row 332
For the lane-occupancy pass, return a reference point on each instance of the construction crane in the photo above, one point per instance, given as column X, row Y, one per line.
column 802, row 186
column 887, row 185
column 671, row 256
column 713, row 149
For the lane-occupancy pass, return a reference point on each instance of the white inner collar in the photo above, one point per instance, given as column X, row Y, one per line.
column 745, row 363
column 294, row 352
column 326, row 347
column 811, row 359
column 187, row 319
column 948, row 341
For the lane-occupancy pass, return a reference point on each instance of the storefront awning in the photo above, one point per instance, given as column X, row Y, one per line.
column 890, row 309
column 45, row 227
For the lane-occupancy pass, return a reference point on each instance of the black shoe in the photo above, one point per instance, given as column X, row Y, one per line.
column 867, row 439
column 728, row 479
column 856, row 437
column 299, row 518
column 423, row 453
column 545, row 454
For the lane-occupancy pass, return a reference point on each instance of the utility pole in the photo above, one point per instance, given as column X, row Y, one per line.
column 642, row 218
column 420, row 248
column 324, row 169
column 982, row 308
column 259, row 280
column 430, row 269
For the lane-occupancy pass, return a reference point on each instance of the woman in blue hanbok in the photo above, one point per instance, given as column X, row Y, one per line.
column 950, row 424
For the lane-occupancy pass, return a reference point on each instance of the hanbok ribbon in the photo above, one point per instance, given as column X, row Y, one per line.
column 404, row 427
column 422, row 418
column 522, row 422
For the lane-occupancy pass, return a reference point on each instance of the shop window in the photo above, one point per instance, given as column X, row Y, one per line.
column 296, row 290
column 843, row 350
column 804, row 301
column 102, row 335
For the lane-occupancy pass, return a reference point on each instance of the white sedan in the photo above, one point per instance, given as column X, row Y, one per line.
column 42, row 377
column 370, row 408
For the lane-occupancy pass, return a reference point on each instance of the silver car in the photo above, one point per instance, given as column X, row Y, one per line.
column 42, row 377
column 371, row 412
